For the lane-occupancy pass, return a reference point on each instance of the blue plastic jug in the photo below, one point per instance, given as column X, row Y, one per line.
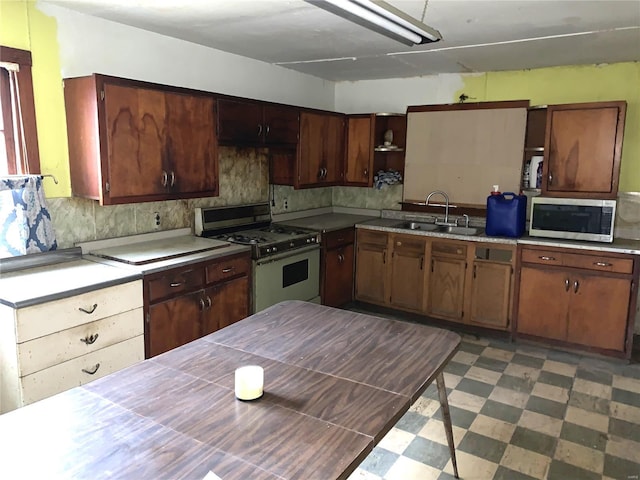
column 506, row 215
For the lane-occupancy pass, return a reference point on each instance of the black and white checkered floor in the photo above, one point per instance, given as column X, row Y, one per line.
column 519, row 412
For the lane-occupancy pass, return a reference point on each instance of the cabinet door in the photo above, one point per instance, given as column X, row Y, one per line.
column 338, row 276
column 543, row 303
column 359, row 158
column 135, row 129
column 230, row 303
column 174, row 322
column 239, row 122
column 371, row 273
column 407, row 273
column 334, row 149
column 599, row 311
column 583, row 155
column 311, row 148
column 490, row 294
column 281, row 125
column 191, row 144
column 446, row 287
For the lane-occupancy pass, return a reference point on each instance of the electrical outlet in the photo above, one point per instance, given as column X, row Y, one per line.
column 156, row 220
column 286, row 204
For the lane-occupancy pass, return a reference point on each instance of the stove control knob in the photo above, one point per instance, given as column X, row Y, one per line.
column 274, row 249
column 268, row 249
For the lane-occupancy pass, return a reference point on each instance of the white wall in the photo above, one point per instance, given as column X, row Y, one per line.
column 394, row 95
column 92, row 45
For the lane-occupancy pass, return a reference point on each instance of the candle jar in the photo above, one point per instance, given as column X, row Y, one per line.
column 249, row 382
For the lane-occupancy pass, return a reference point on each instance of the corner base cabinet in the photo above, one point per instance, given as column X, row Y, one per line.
column 54, row 346
column 584, row 299
column 188, row 302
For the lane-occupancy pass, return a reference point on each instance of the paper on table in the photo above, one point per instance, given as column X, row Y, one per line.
column 211, row 476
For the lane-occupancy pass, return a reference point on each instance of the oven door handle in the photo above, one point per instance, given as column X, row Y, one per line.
column 289, row 253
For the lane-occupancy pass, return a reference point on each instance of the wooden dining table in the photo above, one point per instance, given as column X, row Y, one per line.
column 335, row 382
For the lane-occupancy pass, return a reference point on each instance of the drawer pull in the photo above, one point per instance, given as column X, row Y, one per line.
column 90, row 339
column 176, row 284
column 202, row 305
column 546, row 258
column 90, row 311
column 208, row 301
column 93, row 370
column 227, row 270
column 566, row 284
column 576, row 286
column 602, row 264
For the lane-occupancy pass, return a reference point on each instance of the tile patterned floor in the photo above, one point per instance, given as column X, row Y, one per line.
column 519, row 412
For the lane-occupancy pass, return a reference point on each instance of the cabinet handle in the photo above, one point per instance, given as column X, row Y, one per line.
column 93, row 370
column 421, row 262
column 176, row 284
column 208, row 301
column 475, row 269
column 602, row 264
column 384, row 256
column 576, row 286
column 432, row 265
column 202, row 305
column 550, row 178
column 90, row 311
column 227, row 270
column 547, row 259
column 259, row 129
column 89, row 339
column 173, row 178
column 340, row 258
column 266, row 130
column 164, row 178
column 366, row 173
column 566, row 284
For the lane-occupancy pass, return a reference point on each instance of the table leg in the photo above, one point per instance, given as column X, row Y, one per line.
column 446, row 416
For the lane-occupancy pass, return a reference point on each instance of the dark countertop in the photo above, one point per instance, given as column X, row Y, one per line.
column 335, row 383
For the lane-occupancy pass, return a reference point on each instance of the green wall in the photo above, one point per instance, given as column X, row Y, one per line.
column 572, row 84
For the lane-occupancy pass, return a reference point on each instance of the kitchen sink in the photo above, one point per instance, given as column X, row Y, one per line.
column 432, row 227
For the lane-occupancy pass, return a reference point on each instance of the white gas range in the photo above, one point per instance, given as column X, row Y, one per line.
column 286, row 260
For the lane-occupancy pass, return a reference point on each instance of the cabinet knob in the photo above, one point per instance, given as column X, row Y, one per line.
column 602, row 264
column 546, row 258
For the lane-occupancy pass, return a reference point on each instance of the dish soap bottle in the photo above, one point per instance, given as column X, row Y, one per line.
column 496, row 190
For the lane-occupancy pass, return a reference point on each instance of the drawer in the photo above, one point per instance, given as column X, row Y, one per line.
column 409, row 243
column 542, row 257
column 600, row 263
column 448, row 249
column 175, row 282
column 70, row 374
column 55, row 316
column 338, row 238
column 228, row 268
column 50, row 350
column 372, row 237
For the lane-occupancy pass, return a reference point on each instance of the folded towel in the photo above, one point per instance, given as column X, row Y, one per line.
column 383, row 178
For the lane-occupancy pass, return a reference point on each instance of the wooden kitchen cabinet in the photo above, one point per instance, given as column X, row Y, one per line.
column 54, row 346
column 254, row 123
column 337, row 270
column 491, row 286
column 583, row 147
column 584, row 299
column 132, row 141
column 371, row 266
column 408, row 272
column 186, row 303
column 447, row 279
column 320, row 149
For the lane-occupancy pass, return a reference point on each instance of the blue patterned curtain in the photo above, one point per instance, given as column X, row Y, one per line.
column 25, row 222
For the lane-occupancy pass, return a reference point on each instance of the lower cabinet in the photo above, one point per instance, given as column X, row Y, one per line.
column 407, row 272
column 186, row 303
column 447, row 280
column 371, row 267
column 54, row 346
column 336, row 287
column 583, row 299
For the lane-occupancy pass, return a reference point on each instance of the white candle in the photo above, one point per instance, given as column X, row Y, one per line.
column 249, row 382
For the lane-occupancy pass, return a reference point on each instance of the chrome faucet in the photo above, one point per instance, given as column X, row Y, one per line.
column 446, row 206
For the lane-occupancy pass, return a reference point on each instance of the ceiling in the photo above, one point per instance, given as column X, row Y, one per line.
column 478, row 35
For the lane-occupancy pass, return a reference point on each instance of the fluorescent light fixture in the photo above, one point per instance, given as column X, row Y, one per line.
column 383, row 18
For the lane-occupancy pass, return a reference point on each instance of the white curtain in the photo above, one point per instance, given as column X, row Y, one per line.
column 25, row 222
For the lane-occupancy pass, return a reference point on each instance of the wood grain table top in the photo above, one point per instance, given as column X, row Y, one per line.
column 335, row 383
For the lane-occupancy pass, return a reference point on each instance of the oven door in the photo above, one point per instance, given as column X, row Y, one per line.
column 287, row 276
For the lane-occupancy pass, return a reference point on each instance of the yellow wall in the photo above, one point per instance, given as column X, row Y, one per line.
column 546, row 86
column 23, row 26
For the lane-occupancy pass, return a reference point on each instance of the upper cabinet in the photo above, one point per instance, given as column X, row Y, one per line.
column 132, row 141
column 582, row 151
column 320, row 149
column 374, row 142
column 255, row 123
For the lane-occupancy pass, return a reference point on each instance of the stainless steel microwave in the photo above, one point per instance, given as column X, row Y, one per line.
column 572, row 218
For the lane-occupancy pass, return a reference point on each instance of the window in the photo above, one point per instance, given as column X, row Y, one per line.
column 18, row 136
